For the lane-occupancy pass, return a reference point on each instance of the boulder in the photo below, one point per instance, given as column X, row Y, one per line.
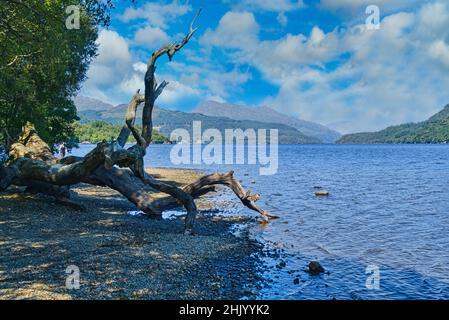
column 315, row 268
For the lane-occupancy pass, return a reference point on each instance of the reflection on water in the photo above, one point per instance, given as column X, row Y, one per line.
column 388, row 206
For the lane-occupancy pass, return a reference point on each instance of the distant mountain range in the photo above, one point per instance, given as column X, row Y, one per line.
column 168, row 120
column 267, row 115
column 84, row 103
column 433, row 130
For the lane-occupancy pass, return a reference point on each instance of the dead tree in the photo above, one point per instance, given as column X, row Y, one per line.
column 31, row 162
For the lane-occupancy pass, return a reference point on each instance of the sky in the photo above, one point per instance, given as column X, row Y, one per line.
column 317, row 60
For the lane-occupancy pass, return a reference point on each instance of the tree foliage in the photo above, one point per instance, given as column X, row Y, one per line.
column 434, row 130
column 97, row 131
column 42, row 63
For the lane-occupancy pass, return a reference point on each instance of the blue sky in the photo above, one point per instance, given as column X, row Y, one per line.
column 316, row 60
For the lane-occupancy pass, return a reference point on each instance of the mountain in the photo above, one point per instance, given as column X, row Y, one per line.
column 267, row 115
column 165, row 121
column 84, row 103
column 433, row 130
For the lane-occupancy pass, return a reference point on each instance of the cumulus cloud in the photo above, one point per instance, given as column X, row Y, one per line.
column 268, row 5
column 151, row 37
column 440, row 51
column 157, row 14
column 350, row 78
column 176, row 92
column 278, row 6
column 113, row 74
column 235, row 29
column 355, row 79
column 353, row 6
column 211, row 78
column 134, row 80
column 110, row 66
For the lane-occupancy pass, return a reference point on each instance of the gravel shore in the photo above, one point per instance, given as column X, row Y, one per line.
column 120, row 256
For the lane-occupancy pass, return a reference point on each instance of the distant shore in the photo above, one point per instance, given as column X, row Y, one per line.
column 120, row 256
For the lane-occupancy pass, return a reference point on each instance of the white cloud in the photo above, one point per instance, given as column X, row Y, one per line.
column 225, row 83
column 140, row 67
column 440, row 51
column 355, row 79
column 110, row 66
column 151, row 37
column 134, row 80
column 176, row 92
column 216, row 98
column 235, row 29
column 352, row 6
column 156, row 14
column 352, row 78
column 269, row 5
column 112, row 48
column 282, row 19
column 433, row 20
column 211, row 78
column 278, row 6
column 114, row 76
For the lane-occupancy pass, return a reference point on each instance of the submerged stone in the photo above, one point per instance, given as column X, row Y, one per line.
column 315, row 268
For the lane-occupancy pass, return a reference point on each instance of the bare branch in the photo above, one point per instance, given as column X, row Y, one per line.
column 171, row 49
column 152, row 91
column 227, row 179
column 179, row 194
column 192, row 30
column 130, row 119
column 160, row 88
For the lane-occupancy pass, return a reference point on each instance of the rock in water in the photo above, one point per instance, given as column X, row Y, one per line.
column 281, row 264
column 296, row 281
column 315, row 268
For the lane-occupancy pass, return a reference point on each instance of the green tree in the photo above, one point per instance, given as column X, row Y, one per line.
column 42, row 63
column 97, row 131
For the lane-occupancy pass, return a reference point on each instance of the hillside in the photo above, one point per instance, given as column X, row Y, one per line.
column 165, row 121
column 433, row 130
column 97, row 131
column 267, row 115
column 84, row 103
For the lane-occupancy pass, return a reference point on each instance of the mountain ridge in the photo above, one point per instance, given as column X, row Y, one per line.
column 267, row 115
column 433, row 130
column 165, row 121
column 83, row 103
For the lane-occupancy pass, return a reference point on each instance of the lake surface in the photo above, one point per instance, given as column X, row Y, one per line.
column 388, row 207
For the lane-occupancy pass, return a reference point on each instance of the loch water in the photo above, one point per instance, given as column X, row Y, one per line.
column 388, row 208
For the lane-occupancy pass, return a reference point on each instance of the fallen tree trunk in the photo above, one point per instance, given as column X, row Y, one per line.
column 31, row 162
column 53, row 176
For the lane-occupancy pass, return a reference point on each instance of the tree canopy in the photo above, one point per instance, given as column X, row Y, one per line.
column 433, row 130
column 43, row 63
column 97, row 131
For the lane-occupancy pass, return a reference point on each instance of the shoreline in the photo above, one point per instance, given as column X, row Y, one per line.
column 121, row 256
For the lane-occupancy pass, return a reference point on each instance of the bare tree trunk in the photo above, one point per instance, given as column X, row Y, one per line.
column 31, row 162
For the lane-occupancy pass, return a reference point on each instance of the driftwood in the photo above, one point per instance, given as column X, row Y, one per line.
column 31, row 162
